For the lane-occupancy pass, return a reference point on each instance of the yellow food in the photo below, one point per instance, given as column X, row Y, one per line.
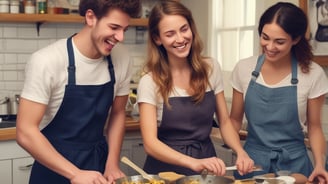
column 244, row 182
column 144, row 182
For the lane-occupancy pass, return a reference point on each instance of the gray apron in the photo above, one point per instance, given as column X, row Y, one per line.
column 275, row 138
column 185, row 128
column 76, row 131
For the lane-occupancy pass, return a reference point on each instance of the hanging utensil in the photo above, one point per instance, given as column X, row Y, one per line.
column 135, row 167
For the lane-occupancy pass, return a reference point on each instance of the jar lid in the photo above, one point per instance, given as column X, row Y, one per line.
column 4, row 2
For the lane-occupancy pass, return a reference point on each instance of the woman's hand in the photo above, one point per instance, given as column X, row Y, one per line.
column 244, row 163
column 319, row 174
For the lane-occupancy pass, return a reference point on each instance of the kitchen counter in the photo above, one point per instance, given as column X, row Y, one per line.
column 131, row 124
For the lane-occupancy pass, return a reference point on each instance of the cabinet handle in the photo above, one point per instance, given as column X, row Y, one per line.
column 25, row 167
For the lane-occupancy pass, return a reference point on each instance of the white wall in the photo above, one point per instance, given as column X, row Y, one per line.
column 19, row 40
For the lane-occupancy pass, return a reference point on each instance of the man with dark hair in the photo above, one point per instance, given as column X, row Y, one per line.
column 72, row 109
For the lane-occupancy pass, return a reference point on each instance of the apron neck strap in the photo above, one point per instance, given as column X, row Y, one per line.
column 260, row 61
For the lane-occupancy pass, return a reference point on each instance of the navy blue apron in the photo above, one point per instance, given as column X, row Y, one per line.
column 275, row 139
column 185, row 128
column 77, row 129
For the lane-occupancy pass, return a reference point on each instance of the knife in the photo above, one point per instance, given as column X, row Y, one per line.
column 255, row 168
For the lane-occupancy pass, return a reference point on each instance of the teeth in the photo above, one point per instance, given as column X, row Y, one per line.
column 181, row 47
column 109, row 42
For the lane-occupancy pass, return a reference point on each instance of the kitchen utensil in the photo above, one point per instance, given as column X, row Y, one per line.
column 135, row 167
column 170, row 176
column 138, row 179
column 269, row 180
column 198, row 179
column 4, row 106
column 255, row 168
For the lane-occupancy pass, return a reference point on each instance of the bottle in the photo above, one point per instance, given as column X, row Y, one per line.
column 41, row 6
column 14, row 6
column 29, row 7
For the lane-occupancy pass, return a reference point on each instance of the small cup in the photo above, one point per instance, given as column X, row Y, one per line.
column 283, row 173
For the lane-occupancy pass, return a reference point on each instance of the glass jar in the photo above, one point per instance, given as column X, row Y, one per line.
column 14, row 6
column 29, row 7
column 41, row 6
column 4, row 6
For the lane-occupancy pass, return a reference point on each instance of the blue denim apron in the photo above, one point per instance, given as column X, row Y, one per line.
column 77, row 129
column 275, row 138
column 185, row 128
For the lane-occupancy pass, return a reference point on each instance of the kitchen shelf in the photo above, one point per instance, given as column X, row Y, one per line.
column 56, row 18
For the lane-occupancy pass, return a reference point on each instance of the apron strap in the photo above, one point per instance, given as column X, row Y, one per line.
column 294, row 79
column 71, row 65
column 260, row 62
column 111, row 69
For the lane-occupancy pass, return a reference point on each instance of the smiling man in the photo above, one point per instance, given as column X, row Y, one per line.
column 73, row 88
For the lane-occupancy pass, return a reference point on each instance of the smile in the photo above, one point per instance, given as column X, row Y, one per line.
column 181, row 46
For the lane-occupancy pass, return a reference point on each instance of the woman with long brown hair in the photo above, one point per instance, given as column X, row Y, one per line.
column 178, row 97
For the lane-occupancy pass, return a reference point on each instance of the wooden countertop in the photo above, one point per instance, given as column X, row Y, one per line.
column 131, row 124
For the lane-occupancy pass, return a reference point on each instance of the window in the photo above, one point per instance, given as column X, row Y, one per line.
column 234, row 31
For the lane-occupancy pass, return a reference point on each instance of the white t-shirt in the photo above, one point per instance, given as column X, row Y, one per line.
column 46, row 75
column 310, row 85
column 147, row 90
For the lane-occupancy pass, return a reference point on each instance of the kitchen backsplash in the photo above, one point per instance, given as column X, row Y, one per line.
column 19, row 40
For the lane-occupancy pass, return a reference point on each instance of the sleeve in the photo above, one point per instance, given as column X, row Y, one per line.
column 320, row 81
column 38, row 79
column 216, row 77
column 236, row 81
column 147, row 90
column 123, row 69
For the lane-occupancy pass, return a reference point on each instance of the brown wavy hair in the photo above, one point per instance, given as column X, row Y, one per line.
column 157, row 62
column 101, row 7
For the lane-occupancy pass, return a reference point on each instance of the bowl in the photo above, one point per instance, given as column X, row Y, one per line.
column 138, row 179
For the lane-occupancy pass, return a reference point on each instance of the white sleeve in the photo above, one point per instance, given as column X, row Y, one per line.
column 216, row 77
column 147, row 90
column 123, row 69
column 236, row 81
column 38, row 79
column 320, row 81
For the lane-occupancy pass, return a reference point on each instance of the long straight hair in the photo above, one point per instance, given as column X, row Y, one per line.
column 157, row 62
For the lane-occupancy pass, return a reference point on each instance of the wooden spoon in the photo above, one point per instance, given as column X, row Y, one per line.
column 170, row 176
column 135, row 167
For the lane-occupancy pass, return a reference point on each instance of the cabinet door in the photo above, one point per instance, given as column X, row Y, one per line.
column 138, row 154
column 5, row 171
column 125, row 151
column 22, row 169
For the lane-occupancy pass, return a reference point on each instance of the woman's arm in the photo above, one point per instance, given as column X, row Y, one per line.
column 316, row 137
column 237, row 109
column 230, row 136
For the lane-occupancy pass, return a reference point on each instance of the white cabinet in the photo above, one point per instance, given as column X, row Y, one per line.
column 133, row 149
column 5, row 171
column 13, row 162
column 22, row 170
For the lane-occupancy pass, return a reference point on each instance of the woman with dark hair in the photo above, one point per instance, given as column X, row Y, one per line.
column 281, row 92
column 178, row 97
